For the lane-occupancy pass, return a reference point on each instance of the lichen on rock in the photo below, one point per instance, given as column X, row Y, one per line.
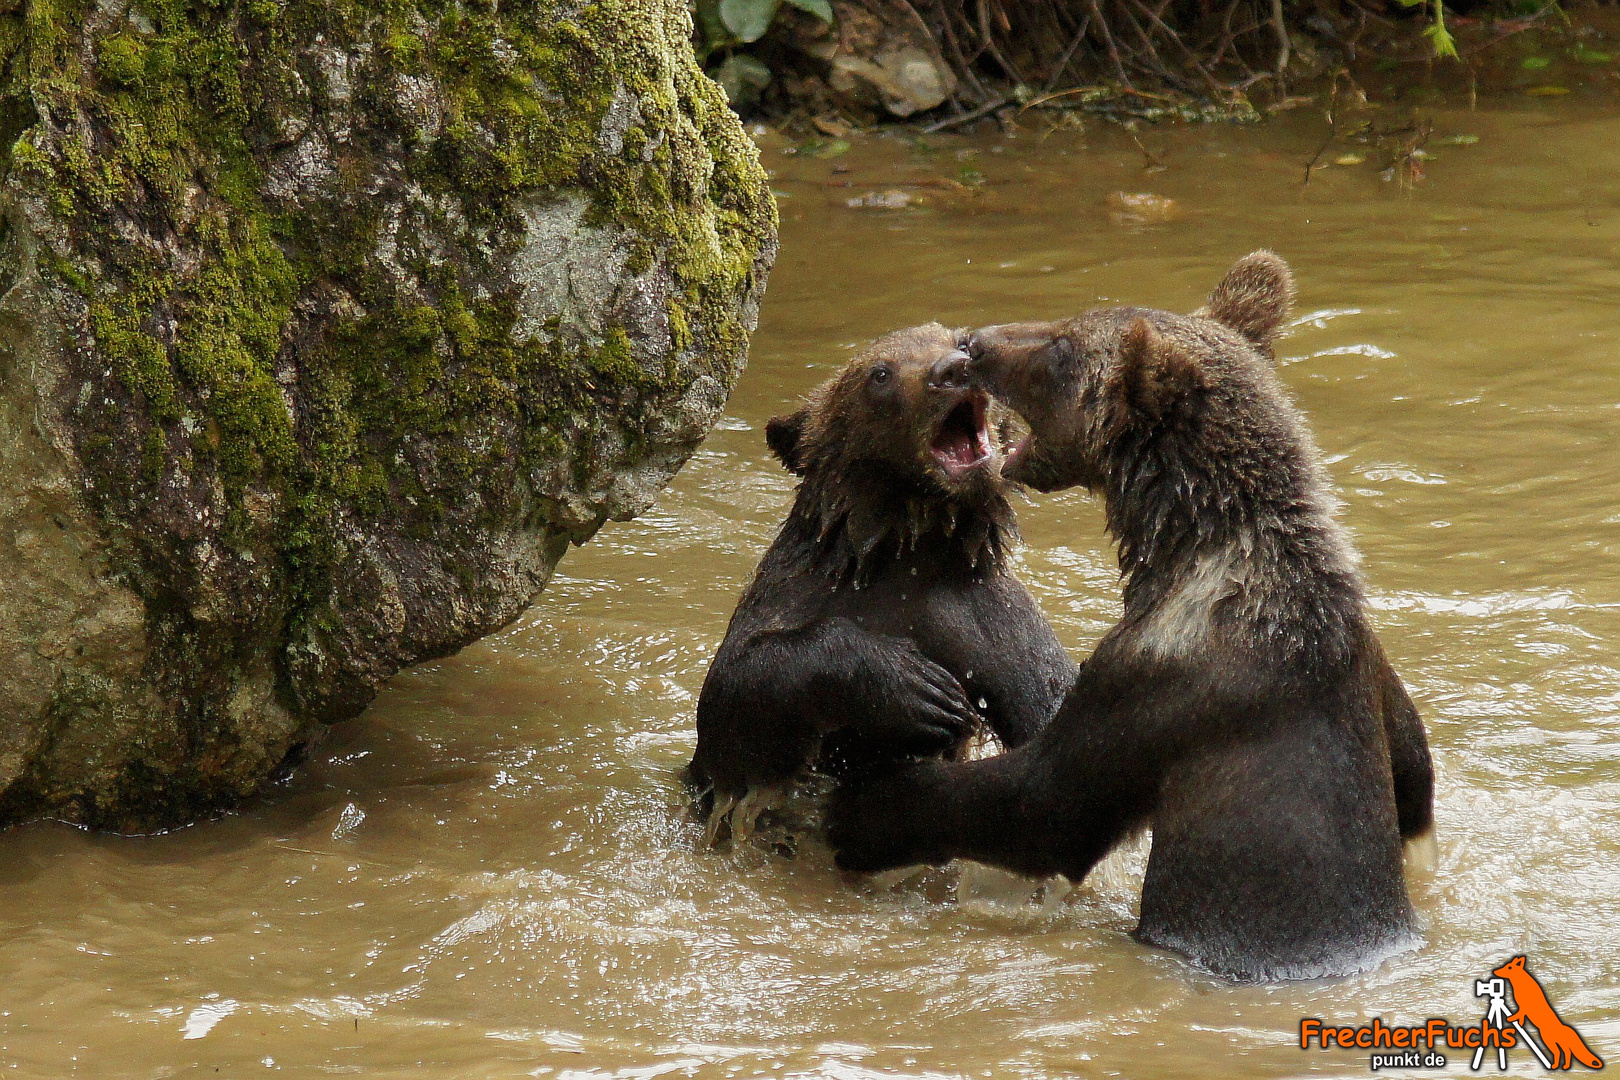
column 327, row 327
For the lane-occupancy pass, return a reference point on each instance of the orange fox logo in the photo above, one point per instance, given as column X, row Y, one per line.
column 1563, row 1042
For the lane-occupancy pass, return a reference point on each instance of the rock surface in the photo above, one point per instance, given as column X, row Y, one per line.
column 325, row 327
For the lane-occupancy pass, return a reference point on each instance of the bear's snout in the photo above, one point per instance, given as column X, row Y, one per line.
column 992, row 350
column 950, row 372
column 978, row 342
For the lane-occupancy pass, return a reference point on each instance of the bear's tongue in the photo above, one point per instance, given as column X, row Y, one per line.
column 960, row 443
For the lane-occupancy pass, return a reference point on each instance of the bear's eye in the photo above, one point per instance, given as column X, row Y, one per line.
column 881, row 375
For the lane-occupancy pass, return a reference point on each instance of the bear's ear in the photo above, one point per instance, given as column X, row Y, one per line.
column 1254, row 296
column 1155, row 376
column 783, row 435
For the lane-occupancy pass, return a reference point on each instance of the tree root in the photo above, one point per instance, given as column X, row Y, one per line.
column 1196, row 50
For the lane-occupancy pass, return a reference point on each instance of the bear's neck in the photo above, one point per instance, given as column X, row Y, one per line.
column 857, row 529
column 1251, row 536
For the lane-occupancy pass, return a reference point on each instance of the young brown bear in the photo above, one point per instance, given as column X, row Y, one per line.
column 885, row 608
column 1242, row 707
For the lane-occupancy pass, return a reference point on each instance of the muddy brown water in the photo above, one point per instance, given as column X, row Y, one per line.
column 490, row 874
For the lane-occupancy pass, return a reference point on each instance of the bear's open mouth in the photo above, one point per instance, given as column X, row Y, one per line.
column 963, row 439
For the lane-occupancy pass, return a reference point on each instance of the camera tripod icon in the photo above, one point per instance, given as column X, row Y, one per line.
column 1496, row 1015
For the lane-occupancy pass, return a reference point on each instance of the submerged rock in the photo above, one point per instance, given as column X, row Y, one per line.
column 325, row 328
column 1142, row 208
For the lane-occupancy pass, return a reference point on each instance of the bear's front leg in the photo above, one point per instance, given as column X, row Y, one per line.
column 1053, row 806
column 935, row 811
column 889, row 691
column 892, row 819
column 770, row 698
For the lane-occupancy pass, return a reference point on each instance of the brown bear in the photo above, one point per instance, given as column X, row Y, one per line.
column 1242, row 707
column 884, row 620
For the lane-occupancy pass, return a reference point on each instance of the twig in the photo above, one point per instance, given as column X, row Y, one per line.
column 1147, row 42
column 967, row 24
column 1145, row 94
column 990, row 43
column 1154, row 162
column 1525, row 24
column 1283, row 44
column 962, row 64
column 921, row 22
column 1035, row 103
column 1332, row 119
column 928, row 33
column 1001, row 17
column 968, row 117
column 1320, row 150
column 1182, row 45
column 1242, row 87
column 1355, row 38
column 1068, row 55
column 1226, row 34
column 1108, row 42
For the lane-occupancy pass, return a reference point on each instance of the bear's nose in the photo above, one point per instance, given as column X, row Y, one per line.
column 949, row 373
column 981, row 340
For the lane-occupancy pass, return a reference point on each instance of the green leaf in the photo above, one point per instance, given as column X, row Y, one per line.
column 821, row 9
column 1536, row 63
column 1444, row 43
column 709, row 25
column 824, row 148
column 748, row 19
column 1591, row 56
column 742, row 78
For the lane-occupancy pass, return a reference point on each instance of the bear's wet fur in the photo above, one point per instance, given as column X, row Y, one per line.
column 1242, row 707
column 884, row 621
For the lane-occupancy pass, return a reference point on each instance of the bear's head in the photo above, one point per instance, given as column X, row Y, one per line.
column 1088, row 384
column 899, row 441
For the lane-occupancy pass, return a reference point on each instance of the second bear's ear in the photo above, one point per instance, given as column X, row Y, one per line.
column 1155, row 376
column 1254, row 296
column 783, row 435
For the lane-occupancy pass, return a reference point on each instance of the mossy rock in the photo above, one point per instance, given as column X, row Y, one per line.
column 327, row 325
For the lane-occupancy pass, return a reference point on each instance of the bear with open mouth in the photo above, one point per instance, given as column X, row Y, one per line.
column 884, row 622
column 1242, row 708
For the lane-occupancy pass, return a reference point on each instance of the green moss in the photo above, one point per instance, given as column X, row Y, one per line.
column 614, row 358
column 417, row 404
column 154, row 455
column 121, row 59
column 140, row 360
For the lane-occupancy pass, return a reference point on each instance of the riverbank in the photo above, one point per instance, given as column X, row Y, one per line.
column 807, row 77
